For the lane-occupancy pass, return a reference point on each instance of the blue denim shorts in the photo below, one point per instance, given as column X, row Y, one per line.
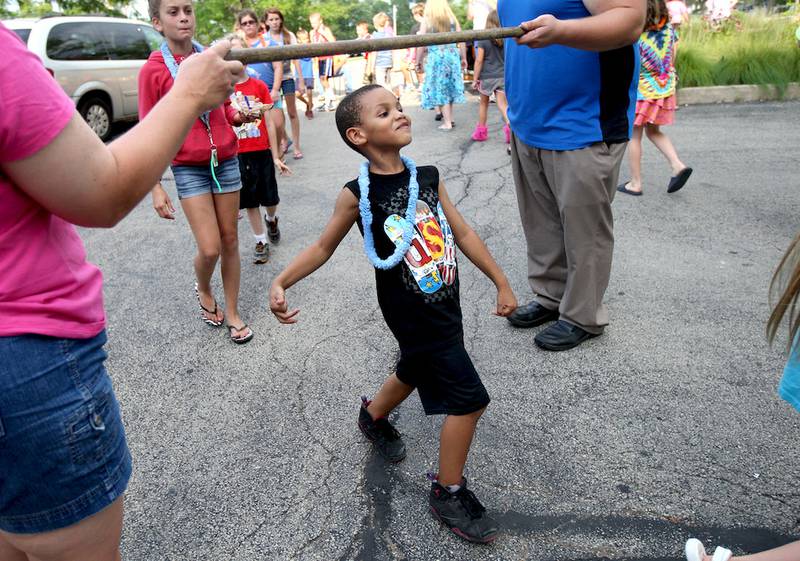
column 192, row 181
column 63, row 455
column 288, row 87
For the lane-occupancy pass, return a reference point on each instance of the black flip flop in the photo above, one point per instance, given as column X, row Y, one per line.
column 623, row 189
column 678, row 181
column 242, row 339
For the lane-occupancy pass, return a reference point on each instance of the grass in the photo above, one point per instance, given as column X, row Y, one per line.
column 752, row 48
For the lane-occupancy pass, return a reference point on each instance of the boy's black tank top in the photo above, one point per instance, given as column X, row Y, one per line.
column 420, row 321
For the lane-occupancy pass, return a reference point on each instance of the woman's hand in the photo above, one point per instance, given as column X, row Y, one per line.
column 206, row 79
column 279, row 306
column 162, row 204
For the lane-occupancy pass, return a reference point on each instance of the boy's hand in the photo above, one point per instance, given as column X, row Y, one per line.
column 279, row 306
column 282, row 168
column 541, row 32
column 506, row 301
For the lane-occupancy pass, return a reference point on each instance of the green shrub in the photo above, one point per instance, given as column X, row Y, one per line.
column 753, row 48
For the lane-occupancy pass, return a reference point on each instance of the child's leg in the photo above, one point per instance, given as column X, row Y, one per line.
column 455, row 440
column 202, row 219
column 291, row 109
column 447, row 113
column 502, row 104
column 635, row 160
column 280, row 128
column 226, row 207
column 664, row 145
column 254, row 216
column 483, row 110
column 788, row 552
column 392, row 393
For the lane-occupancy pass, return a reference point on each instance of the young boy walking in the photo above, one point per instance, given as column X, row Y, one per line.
column 257, row 162
column 410, row 231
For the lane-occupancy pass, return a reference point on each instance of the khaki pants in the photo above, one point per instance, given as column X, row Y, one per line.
column 564, row 202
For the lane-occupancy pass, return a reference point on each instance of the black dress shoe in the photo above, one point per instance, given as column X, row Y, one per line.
column 531, row 315
column 562, row 336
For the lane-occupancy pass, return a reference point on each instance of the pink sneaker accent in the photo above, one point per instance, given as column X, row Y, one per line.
column 481, row 133
column 507, row 130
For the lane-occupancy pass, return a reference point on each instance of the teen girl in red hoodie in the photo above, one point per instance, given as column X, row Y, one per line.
column 206, row 170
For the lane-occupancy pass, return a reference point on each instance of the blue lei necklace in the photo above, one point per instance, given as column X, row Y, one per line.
column 366, row 217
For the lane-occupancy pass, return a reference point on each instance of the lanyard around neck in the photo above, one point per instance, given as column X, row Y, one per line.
column 172, row 65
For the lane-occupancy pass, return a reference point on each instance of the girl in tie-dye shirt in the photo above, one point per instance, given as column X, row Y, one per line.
column 655, row 104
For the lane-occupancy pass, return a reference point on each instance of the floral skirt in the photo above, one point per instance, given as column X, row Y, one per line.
column 444, row 82
column 655, row 111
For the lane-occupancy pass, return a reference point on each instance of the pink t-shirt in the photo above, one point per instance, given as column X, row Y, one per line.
column 46, row 285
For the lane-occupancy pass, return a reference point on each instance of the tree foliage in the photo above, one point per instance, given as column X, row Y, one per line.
column 215, row 17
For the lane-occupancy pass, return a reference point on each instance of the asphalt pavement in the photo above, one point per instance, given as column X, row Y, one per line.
column 666, row 427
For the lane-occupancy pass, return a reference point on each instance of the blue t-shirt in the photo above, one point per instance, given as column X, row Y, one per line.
column 383, row 59
column 307, row 68
column 562, row 98
column 263, row 70
column 789, row 388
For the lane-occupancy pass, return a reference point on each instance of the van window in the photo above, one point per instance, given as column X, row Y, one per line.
column 23, row 34
column 125, row 41
column 75, row 41
column 154, row 38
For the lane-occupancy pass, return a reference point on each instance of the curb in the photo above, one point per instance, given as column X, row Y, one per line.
column 737, row 94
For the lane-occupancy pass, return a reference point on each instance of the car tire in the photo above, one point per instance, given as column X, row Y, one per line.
column 97, row 114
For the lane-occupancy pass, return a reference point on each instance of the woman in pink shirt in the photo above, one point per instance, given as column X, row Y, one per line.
column 64, row 462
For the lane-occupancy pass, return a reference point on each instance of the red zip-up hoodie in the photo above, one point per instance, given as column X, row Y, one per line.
column 155, row 81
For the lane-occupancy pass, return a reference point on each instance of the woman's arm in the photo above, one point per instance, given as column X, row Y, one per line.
column 99, row 184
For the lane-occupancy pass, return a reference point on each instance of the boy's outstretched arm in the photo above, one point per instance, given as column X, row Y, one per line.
column 314, row 256
column 477, row 252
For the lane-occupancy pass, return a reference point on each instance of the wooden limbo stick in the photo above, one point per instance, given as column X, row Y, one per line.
column 308, row 50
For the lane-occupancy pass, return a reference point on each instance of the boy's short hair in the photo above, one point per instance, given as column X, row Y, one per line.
column 348, row 113
column 362, row 23
column 418, row 9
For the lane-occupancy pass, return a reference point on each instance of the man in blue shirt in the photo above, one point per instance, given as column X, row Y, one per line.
column 571, row 84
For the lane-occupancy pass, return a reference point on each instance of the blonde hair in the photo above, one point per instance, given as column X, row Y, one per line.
column 379, row 20
column 439, row 15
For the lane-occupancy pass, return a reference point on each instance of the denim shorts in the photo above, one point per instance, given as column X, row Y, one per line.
column 288, row 87
column 63, row 455
column 192, row 181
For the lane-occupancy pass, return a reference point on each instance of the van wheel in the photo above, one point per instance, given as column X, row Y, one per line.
column 96, row 113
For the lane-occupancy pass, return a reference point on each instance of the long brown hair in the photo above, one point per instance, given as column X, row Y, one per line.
column 287, row 39
column 492, row 21
column 656, row 14
column 784, row 291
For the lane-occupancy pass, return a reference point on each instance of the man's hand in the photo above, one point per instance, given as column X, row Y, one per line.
column 206, row 79
column 541, row 32
column 279, row 306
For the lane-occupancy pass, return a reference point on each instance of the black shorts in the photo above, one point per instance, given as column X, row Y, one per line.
column 259, row 187
column 446, row 380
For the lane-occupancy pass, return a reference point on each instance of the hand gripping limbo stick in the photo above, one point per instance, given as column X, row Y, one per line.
column 308, row 50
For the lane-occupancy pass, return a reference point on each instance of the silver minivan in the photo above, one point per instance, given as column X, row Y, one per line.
column 95, row 59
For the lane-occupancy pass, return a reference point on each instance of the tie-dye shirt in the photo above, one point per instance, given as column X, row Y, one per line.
column 657, row 53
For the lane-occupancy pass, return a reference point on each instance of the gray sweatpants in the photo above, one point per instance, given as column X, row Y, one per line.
column 564, row 202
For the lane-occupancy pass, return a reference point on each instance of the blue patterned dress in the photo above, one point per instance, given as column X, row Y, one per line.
column 444, row 82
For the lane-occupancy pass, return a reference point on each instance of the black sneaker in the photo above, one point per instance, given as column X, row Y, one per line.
column 273, row 231
column 387, row 440
column 463, row 513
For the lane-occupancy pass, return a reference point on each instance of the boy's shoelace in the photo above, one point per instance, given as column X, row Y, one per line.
column 470, row 502
column 386, row 429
